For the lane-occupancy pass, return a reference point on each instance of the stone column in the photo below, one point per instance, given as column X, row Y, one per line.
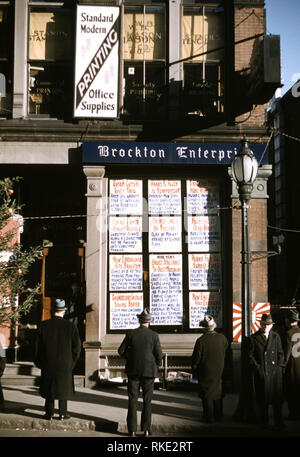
column 95, row 269
column 20, row 92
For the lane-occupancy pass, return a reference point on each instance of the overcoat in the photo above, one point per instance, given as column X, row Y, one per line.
column 57, row 351
column 292, row 359
column 142, row 350
column 208, row 364
column 266, row 360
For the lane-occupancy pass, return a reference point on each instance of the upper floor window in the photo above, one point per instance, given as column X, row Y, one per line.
column 144, row 56
column 50, row 61
column 6, row 66
column 203, row 54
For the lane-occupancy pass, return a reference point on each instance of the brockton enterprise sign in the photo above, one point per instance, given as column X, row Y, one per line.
column 168, row 153
column 97, row 62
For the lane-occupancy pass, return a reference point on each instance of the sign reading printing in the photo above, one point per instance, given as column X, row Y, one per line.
column 97, row 62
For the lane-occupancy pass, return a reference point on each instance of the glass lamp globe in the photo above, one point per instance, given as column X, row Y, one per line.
column 244, row 166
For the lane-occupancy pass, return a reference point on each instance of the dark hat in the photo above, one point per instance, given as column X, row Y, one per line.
column 293, row 315
column 145, row 316
column 59, row 305
column 208, row 322
column 266, row 319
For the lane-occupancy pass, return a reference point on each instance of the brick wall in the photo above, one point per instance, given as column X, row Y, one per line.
column 258, row 242
column 249, row 21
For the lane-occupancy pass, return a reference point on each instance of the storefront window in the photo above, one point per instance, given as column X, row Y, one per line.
column 6, row 53
column 202, row 42
column 144, row 61
column 164, row 252
column 50, row 62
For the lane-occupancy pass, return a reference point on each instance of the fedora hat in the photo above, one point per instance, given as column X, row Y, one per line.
column 59, row 305
column 293, row 315
column 208, row 322
column 145, row 316
column 266, row 319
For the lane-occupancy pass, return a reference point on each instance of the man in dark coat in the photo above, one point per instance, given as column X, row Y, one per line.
column 142, row 350
column 292, row 360
column 207, row 365
column 57, row 350
column 266, row 361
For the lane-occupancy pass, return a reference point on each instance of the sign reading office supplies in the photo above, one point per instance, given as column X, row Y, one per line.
column 97, row 62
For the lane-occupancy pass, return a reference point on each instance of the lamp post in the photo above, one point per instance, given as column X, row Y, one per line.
column 244, row 170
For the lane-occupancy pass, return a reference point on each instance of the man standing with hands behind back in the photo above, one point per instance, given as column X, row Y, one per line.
column 142, row 351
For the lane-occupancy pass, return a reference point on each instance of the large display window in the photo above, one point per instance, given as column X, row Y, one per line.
column 50, row 64
column 164, row 252
column 6, row 53
column 203, row 55
column 144, row 55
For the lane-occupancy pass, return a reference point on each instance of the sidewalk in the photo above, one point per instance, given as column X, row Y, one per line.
column 175, row 411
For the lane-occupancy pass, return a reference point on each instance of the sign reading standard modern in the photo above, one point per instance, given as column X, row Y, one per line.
column 97, row 62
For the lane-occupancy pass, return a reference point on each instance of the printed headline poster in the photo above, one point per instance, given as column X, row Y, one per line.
column 165, row 234
column 202, row 303
column 166, row 289
column 204, row 233
column 97, row 61
column 125, row 234
column 202, row 196
column 126, row 197
column 125, row 272
column 204, row 271
column 164, row 197
column 124, row 308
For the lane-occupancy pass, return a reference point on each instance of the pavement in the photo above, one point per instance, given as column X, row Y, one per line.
column 176, row 411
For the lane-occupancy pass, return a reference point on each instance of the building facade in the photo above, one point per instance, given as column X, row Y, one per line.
column 284, row 189
column 122, row 118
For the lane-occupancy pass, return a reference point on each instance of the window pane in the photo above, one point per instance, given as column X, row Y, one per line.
column 202, row 32
column 50, row 91
column 5, row 89
column 144, row 34
column 5, row 43
column 6, row 50
column 203, row 88
column 50, row 35
column 144, row 98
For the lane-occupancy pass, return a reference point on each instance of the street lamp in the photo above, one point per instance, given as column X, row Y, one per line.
column 244, row 170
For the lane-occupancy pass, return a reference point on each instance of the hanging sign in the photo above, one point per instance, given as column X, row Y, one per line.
column 97, row 62
column 204, row 233
column 126, row 272
column 165, row 234
column 202, row 196
column 202, row 303
column 126, row 196
column 164, row 197
column 166, row 289
column 204, row 271
column 125, row 234
column 124, row 308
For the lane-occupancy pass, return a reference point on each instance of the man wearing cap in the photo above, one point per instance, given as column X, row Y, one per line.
column 208, row 360
column 292, row 360
column 57, row 351
column 266, row 359
column 142, row 350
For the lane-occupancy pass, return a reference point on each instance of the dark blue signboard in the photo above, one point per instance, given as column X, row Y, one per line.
column 167, row 153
